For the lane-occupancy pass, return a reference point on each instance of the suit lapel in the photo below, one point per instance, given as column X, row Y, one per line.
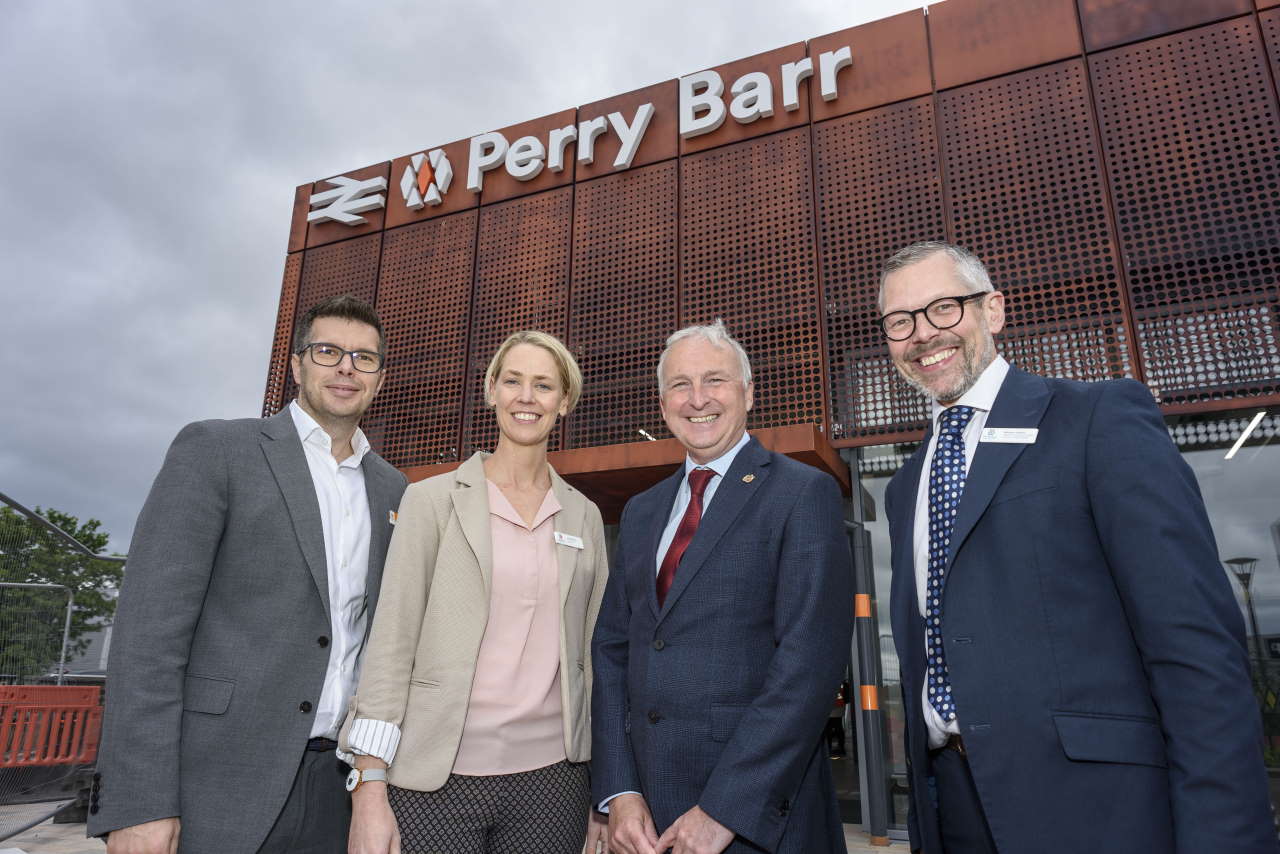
column 471, row 503
column 1021, row 402
column 380, row 490
column 658, row 512
column 569, row 520
column 731, row 496
column 904, row 607
column 288, row 462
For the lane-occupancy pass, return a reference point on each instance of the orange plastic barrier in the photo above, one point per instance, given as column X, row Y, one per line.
column 49, row 725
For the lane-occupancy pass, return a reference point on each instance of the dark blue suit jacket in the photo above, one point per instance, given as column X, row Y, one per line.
column 719, row 699
column 1095, row 648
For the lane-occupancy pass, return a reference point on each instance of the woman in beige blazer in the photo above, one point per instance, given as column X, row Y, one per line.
column 470, row 730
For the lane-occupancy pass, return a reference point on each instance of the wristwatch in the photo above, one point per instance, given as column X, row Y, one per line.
column 358, row 778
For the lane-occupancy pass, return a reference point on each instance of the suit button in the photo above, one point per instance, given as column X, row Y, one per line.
column 323, row 640
column 97, row 778
column 659, row 644
column 304, row 706
column 654, row 717
column 94, row 809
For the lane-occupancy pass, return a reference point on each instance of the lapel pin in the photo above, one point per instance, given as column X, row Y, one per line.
column 747, row 478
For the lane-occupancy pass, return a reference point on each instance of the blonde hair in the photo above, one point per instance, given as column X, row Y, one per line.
column 566, row 365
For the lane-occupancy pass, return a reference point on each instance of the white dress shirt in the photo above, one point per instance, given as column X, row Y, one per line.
column 981, row 397
column 684, row 494
column 344, row 519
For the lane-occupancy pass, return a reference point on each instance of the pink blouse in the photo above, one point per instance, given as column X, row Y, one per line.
column 514, row 719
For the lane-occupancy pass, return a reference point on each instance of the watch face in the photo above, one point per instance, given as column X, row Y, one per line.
column 353, row 780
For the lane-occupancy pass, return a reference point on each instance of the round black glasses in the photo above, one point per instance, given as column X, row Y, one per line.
column 328, row 355
column 942, row 313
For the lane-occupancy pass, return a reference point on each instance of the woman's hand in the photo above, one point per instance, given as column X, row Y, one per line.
column 373, row 825
column 597, row 833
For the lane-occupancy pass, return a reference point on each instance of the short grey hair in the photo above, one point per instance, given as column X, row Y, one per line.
column 717, row 335
column 968, row 268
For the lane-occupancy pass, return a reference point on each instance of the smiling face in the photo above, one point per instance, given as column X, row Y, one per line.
column 704, row 400
column 527, row 395
column 942, row 363
column 340, row 394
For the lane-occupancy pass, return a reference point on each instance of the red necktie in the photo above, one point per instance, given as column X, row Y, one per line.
column 698, row 480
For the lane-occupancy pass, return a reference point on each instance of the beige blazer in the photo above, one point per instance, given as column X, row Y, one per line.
column 431, row 617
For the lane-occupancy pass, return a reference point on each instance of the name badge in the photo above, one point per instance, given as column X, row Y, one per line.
column 1010, row 435
column 392, row 516
column 569, row 540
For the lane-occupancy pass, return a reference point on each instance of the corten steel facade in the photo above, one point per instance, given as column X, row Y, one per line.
column 1117, row 164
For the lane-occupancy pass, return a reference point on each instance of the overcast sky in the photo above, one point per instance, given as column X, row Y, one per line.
column 149, row 154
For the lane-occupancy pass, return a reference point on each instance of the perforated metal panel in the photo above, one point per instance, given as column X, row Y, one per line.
column 1192, row 139
column 878, row 190
column 623, row 301
column 522, row 275
column 278, row 369
column 424, row 300
column 1026, row 194
column 349, row 267
column 747, row 255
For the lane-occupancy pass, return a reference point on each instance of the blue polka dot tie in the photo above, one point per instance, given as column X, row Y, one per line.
column 946, row 485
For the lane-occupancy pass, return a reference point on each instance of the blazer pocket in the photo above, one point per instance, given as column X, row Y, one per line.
column 1108, row 738
column 207, row 694
column 725, row 718
column 1020, row 487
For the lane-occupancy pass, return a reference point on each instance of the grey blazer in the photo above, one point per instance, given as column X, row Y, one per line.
column 217, row 658
column 422, row 650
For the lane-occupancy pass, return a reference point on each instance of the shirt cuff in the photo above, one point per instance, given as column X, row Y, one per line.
column 368, row 737
column 604, row 805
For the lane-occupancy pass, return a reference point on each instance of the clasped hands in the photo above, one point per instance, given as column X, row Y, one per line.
column 631, row 830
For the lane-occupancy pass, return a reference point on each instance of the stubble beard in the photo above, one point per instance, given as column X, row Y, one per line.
column 972, row 363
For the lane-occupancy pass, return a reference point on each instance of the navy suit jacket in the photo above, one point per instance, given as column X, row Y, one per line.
column 1095, row 649
column 719, row 698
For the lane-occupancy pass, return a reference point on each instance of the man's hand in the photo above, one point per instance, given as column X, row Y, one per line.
column 631, row 829
column 151, row 837
column 597, row 833
column 695, row 832
column 373, row 825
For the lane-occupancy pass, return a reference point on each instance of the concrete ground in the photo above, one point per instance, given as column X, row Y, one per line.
column 49, row 838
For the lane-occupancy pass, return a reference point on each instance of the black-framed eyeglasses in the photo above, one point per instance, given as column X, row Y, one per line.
column 943, row 313
column 328, row 355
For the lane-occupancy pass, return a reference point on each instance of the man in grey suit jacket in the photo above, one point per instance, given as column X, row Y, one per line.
column 723, row 634
column 251, row 580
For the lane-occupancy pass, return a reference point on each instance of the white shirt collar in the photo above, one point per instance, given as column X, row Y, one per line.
column 310, row 432
column 983, row 393
column 720, row 465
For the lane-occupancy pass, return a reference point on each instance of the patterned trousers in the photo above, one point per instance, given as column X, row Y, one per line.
column 543, row 811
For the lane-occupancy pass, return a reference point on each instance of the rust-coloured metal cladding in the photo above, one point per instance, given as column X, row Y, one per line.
column 1270, row 23
column 419, row 184
column 770, row 63
column 890, row 63
column 499, row 183
column 611, row 474
column 320, row 233
column 278, row 367
column 976, row 39
column 879, row 188
column 1108, row 23
column 521, row 282
column 298, row 225
column 623, row 301
column 1194, row 178
column 661, row 138
column 1266, row 4
column 424, row 300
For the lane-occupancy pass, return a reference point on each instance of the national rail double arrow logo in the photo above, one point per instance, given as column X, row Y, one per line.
column 426, row 179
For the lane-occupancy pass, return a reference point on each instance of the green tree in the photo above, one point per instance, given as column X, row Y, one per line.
column 31, row 621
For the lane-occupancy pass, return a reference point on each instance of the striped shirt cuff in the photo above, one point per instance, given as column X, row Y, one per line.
column 368, row 737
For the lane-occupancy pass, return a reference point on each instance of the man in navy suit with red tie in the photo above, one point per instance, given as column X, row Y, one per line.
column 1073, row 661
column 723, row 634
